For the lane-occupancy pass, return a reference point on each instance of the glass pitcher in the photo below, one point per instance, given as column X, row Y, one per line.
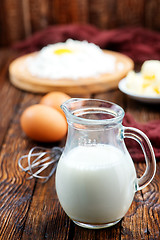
column 95, row 177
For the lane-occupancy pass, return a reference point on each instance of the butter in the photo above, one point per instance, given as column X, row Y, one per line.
column 147, row 82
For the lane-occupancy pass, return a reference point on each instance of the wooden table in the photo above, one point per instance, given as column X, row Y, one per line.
column 30, row 209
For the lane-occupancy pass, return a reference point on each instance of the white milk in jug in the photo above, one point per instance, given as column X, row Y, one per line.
column 95, row 184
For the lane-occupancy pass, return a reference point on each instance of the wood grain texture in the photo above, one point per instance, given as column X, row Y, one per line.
column 152, row 10
column 16, row 192
column 19, row 19
column 13, row 20
column 129, row 11
column 31, row 210
column 68, row 11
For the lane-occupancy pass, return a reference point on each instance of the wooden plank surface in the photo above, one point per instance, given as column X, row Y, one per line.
column 19, row 19
column 30, row 209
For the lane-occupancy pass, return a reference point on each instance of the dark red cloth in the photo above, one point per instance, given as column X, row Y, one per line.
column 151, row 129
column 138, row 43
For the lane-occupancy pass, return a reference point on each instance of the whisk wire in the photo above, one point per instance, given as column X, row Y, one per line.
column 40, row 160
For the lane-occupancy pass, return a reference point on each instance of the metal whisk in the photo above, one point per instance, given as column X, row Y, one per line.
column 40, row 161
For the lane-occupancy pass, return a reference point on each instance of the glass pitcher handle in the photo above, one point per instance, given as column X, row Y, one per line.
column 143, row 140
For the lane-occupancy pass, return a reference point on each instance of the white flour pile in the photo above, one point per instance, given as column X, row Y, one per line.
column 72, row 59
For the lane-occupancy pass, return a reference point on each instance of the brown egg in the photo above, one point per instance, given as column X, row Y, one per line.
column 55, row 100
column 43, row 123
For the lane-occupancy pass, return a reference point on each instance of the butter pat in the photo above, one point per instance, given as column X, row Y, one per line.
column 151, row 70
column 147, row 82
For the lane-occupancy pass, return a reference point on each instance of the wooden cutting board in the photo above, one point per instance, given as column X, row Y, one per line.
column 20, row 77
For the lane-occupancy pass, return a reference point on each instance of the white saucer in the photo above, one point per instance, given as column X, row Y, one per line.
column 143, row 98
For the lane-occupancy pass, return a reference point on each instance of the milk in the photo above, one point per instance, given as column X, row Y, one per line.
column 95, row 184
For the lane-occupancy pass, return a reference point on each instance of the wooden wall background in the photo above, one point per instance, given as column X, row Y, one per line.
column 20, row 18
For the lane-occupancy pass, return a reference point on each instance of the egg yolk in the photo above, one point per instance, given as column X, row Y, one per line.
column 61, row 51
column 152, row 77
